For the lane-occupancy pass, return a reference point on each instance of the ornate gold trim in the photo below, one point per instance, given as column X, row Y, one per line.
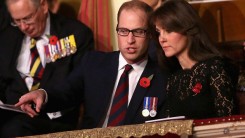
column 178, row 127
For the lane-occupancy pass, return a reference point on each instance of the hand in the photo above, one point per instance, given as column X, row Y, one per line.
column 37, row 97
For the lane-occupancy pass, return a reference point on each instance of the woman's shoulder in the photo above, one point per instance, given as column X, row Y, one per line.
column 208, row 63
column 214, row 62
column 221, row 62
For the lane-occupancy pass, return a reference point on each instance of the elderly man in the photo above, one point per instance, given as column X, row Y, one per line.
column 40, row 50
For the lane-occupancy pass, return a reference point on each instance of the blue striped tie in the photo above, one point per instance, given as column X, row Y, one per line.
column 120, row 101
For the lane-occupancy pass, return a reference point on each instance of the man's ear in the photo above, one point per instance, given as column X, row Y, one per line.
column 44, row 5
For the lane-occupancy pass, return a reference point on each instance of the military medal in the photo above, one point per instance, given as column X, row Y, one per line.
column 145, row 111
column 57, row 49
column 63, row 49
column 72, row 44
column 67, row 45
column 56, row 56
column 47, row 53
column 150, row 107
column 153, row 111
column 53, row 54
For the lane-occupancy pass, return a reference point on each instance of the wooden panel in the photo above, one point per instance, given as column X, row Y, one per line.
column 233, row 50
column 224, row 20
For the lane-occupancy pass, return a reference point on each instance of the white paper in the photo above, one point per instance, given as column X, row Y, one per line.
column 10, row 107
column 166, row 119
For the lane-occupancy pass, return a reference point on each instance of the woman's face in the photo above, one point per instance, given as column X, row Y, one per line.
column 172, row 43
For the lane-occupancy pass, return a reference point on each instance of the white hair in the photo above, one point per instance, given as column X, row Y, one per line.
column 36, row 3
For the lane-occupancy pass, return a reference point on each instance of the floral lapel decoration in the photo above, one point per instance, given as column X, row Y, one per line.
column 53, row 40
column 146, row 82
column 58, row 48
column 197, row 88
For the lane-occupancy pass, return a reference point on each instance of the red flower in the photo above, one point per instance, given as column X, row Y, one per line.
column 146, row 82
column 197, row 88
column 53, row 40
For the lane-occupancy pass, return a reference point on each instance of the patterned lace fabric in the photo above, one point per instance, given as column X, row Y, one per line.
column 203, row 91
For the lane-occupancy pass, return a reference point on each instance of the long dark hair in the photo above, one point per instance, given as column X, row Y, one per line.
column 179, row 16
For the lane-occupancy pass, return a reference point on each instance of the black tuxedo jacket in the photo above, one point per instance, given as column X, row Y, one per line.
column 11, row 41
column 4, row 16
column 92, row 84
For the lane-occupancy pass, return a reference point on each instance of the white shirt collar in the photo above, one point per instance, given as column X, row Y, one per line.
column 136, row 66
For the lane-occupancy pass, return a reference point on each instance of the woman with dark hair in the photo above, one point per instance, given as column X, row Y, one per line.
column 200, row 86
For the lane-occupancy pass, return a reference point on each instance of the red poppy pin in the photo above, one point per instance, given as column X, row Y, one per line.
column 197, row 88
column 53, row 40
column 146, row 82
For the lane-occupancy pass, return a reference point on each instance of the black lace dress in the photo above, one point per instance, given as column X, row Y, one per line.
column 204, row 91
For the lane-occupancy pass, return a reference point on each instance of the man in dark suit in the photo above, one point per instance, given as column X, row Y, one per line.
column 95, row 81
column 57, row 57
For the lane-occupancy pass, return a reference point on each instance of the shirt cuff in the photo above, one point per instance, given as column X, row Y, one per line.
column 46, row 96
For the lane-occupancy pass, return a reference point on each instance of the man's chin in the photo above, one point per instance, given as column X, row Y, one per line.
column 31, row 35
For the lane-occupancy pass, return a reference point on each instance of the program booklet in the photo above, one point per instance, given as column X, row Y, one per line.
column 10, row 107
column 166, row 119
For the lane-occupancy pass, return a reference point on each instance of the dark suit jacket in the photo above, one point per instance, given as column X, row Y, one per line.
column 4, row 16
column 92, row 83
column 11, row 41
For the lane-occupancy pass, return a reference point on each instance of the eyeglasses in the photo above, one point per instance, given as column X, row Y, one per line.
column 136, row 32
column 27, row 20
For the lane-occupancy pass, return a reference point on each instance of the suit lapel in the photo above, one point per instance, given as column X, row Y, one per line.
column 18, row 46
column 47, row 72
column 111, row 70
column 14, row 61
column 139, row 93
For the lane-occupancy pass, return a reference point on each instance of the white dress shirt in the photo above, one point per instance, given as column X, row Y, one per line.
column 24, row 59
